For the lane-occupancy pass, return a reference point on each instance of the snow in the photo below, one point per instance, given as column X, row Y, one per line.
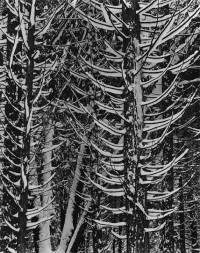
column 48, row 23
column 115, row 210
column 10, row 250
column 109, row 224
column 11, row 226
column 45, row 150
column 32, row 225
column 114, row 157
column 156, row 228
column 122, row 237
column 100, row 24
column 111, row 181
column 11, row 8
column 105, row 87
column 23, row 29
column 32, row 187
column 109, row 129
column 24, row 177
column 109, row 191
column 113, row 145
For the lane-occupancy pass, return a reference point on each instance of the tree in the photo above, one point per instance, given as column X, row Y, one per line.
column 91, row 68
column 27, row 75
column 127, row 39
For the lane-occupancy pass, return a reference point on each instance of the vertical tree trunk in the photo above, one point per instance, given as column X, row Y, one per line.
column 168, row 240
column 33, row 175
column 26, row 140
column 2, row 109
column 133, row 112
column 194, row 232
column 182, row 218
column 78, row 233
column 168, row 231
column 119, row 243
column 44, row 233
column 25, row 159
column 68, row 225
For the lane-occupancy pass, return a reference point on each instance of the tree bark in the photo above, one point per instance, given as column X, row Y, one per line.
column 25, row 159
column 44, row 233
column 73, row 242
column 168, row 151
column 182, row 218
column 2, row 109
column 133, row 137
column 194, row 232
column 68, row 225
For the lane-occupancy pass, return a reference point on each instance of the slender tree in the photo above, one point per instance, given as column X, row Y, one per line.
column 28, row 75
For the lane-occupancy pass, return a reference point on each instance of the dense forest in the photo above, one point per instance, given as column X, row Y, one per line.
column 99, row 126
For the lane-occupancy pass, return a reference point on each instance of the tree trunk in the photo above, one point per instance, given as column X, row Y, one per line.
column 33, row 180
column 133, row 137
column 74, row 242
column 194, row 232
column 25, row 159
column 182, row 218
column 168, row 240
column 2, row 109
column 44, row 233
column 68, row 225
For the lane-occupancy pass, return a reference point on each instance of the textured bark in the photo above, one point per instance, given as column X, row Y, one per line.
column 2, row 109
column 194, row 232
column 182, row 219
column 33, row 180
column 68, row 228
column 168, row 232
column 26, row 144
column 133, row 111
column 74, row 240
column 168, row 152
column 44, row 233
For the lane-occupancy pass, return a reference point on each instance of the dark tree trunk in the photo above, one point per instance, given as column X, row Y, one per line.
column 22, row 222
column 168, row 240
column 168, row 236
column 36, row 238
column 26, row 141
column 132, row 110
column 79, row 239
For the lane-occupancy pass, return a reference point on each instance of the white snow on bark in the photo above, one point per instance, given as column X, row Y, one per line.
column 80, row 223
column 68, row 225
column 44, row 234
column 156, row 228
